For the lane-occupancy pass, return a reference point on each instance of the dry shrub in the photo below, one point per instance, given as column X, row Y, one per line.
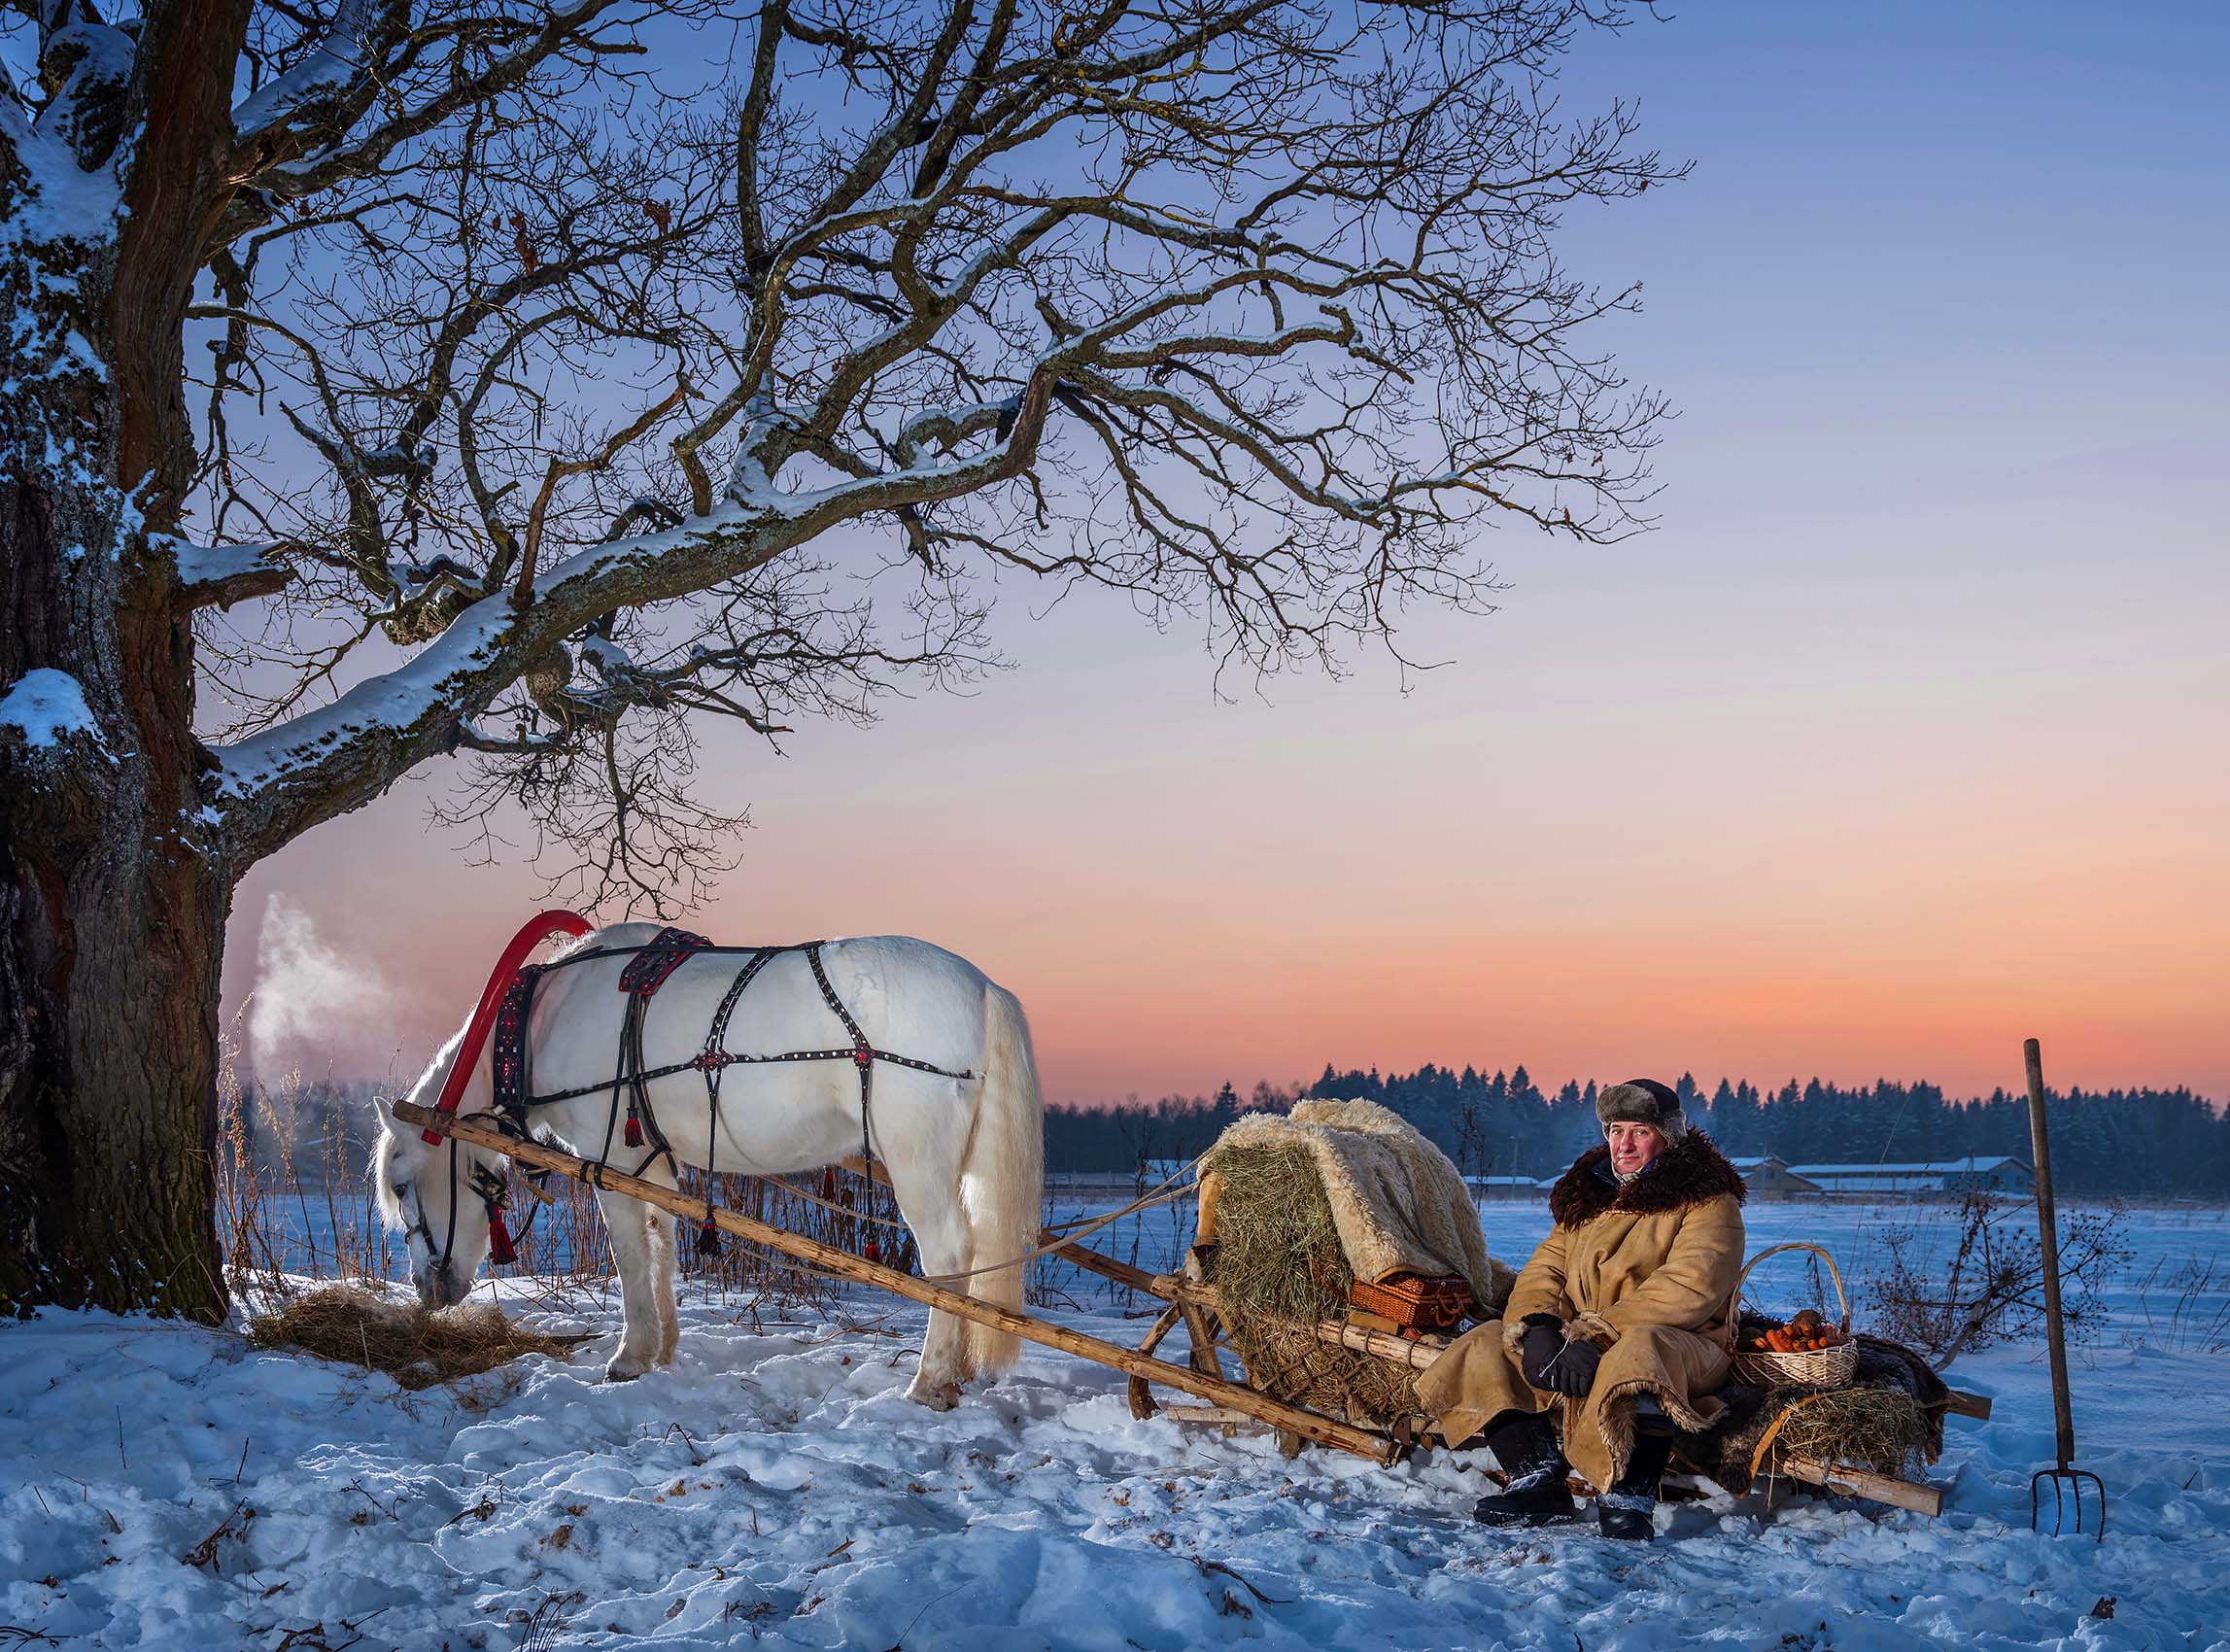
column 1280, row 1272
column 415, row 1345
column 291, row 1192
column 1985, row 1284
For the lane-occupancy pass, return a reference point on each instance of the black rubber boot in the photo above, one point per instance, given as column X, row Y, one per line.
column 1628, row 1509
column 1525, row 1446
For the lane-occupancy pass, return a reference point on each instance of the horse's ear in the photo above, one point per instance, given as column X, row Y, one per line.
column 384, row 1111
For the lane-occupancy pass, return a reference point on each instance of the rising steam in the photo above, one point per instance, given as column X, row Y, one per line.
column 312, row 1008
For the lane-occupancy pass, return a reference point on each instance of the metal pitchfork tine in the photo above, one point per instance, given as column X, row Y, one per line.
column 2066, row 1480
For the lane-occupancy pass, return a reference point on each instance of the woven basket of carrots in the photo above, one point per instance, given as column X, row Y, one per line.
column 1809, row 1348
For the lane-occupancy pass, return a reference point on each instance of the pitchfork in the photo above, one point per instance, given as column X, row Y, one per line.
column 2066, row 1480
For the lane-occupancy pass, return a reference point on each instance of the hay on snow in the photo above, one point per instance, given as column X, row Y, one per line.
column 415, row 1345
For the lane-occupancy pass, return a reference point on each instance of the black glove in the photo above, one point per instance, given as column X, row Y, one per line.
column 1574, row 1371
column 1543, row 1344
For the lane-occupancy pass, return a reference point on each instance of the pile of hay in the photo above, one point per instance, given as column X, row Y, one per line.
column 1872, row 1427
column 416, row 1345
column 1278, row 1271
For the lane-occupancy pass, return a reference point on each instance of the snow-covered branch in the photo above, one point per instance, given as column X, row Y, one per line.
column 331, row 64
column 220, row 575
column 1243, row 313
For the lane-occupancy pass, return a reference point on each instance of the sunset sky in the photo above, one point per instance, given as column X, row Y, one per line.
column 1906, row 736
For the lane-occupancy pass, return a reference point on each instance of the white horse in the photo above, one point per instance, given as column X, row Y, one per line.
column 965, row 1153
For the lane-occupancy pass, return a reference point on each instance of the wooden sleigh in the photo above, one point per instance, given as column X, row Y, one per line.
column 1218, row 1399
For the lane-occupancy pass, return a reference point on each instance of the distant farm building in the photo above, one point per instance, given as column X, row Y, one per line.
column 1770, row 1177
column 2001, row 1174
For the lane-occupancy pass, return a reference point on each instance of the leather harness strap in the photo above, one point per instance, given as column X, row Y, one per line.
column 649, row 967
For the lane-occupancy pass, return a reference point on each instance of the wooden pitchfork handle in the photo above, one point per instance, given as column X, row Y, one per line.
column 2048, row 1237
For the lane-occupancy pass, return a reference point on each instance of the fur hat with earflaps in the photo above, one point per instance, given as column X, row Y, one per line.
column 1642, row 1101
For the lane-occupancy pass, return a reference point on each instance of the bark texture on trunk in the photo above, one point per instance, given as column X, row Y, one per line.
column 108, row 1093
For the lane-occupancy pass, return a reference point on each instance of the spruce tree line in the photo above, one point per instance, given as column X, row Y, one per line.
column 2133, row 1142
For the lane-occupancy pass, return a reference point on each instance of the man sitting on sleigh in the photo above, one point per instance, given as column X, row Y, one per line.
column 1618, row 1331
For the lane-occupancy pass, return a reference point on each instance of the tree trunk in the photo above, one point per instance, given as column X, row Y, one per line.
column 112, row 898
column 114, row 878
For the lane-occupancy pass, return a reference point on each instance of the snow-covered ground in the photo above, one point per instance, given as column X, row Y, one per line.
column 775, row 1486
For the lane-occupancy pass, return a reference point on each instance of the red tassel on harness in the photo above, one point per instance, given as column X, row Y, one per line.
column 871, row 1250
column 634, row 1129
column 499, row 1251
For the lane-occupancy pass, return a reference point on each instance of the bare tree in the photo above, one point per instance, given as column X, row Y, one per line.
column 516, row 381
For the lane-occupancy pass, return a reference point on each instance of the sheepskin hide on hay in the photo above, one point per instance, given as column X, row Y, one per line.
column 1398, row 1204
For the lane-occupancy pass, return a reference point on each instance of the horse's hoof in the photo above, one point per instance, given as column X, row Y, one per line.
column 620, row 1374
column 938, row 1396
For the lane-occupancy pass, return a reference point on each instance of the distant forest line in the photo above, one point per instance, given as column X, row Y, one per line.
column 2134, row 1143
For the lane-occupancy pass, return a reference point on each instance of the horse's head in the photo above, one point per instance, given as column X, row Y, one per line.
column 441, row 1195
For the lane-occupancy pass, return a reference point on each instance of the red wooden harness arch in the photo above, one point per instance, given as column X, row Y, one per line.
column 539, row 929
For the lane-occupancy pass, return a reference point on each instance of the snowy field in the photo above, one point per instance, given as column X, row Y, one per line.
column 775, row 1486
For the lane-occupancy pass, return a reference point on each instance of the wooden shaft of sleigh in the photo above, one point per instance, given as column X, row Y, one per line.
column 1378, row 1448
column 1166, row 1285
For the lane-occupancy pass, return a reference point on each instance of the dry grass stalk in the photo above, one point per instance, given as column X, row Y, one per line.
column 1987, row 1287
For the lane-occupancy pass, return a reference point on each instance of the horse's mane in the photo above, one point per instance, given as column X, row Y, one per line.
column 608, row 934
column 576, row 943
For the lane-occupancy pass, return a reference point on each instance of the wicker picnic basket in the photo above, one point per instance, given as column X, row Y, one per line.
column 1416, row 1301
column 1823, row 1368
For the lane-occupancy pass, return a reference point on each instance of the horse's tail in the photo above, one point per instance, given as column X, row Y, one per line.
column 1002, row 1178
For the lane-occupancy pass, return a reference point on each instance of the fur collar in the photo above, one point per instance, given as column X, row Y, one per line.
column 1687, row 1175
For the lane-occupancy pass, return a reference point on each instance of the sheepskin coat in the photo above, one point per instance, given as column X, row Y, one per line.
column 1649, row 1267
